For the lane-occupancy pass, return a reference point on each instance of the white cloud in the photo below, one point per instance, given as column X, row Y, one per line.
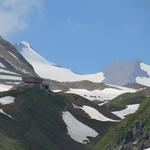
column 13, row 14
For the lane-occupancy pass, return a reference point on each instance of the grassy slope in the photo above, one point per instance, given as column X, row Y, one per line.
column 113, row 136
column 121, row 101
column 7, row 143
column 38, row 119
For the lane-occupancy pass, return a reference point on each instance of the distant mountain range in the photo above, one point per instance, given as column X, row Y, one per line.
column 121, row 73
column 117, row 73
column 22, row 59
column 25, row 60
column 96, row 87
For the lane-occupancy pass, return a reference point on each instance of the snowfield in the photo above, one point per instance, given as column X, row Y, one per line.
column 76, row 129
column 145, row 68
column 127, row 111
column 8, row 77
column 7, row 100
column 144, row 80
column 49, row 70
column 4, row 87
column 94, row 114
column 101, row 95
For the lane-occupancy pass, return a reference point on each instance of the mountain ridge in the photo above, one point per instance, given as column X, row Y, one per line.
column 122, row 73
column 117, row 73
column 72, row 112
column 57, row 73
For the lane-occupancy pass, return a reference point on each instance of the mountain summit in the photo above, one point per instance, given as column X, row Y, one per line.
column 12, row 60
column 118, row 73
column 121, row 73
column 51, row 71
column 65, row 110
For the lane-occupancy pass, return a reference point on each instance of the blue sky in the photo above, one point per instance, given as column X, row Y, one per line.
column 86, row 35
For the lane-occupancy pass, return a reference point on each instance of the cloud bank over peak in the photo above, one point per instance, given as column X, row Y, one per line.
column 13, row 14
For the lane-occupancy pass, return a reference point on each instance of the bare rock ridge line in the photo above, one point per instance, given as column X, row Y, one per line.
column 13, row 59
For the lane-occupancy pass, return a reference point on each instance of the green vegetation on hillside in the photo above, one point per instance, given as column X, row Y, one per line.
column 121, row 101
column 132, row 133
column 38, row 123
column 37, row 120
column 7, row 143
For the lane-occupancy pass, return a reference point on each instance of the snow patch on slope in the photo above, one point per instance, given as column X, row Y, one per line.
column 2, row 65
column 4, row 87
column 30, row 54
column 13, row 55
column 2, row 111
column 56, row 91
column 144, row 80
column 94, row 114
column 129, row 110
column 7, row 100
column 49, row 70
column 8, row 77
column 101, row 95
column 77, row 130
column 145, row 68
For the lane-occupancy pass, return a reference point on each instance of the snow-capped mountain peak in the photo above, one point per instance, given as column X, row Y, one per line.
column 117, row 73
column 48, row 70
column 122, row 73
column 144, row 80
column 29, row 53
column 25, row 44
column 145, row 68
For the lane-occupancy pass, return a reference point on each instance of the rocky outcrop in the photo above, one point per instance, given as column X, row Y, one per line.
column 13, row 60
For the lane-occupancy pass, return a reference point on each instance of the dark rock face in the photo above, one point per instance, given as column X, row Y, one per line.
column 119, row 73
column 13, row 60
column 136, row 138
